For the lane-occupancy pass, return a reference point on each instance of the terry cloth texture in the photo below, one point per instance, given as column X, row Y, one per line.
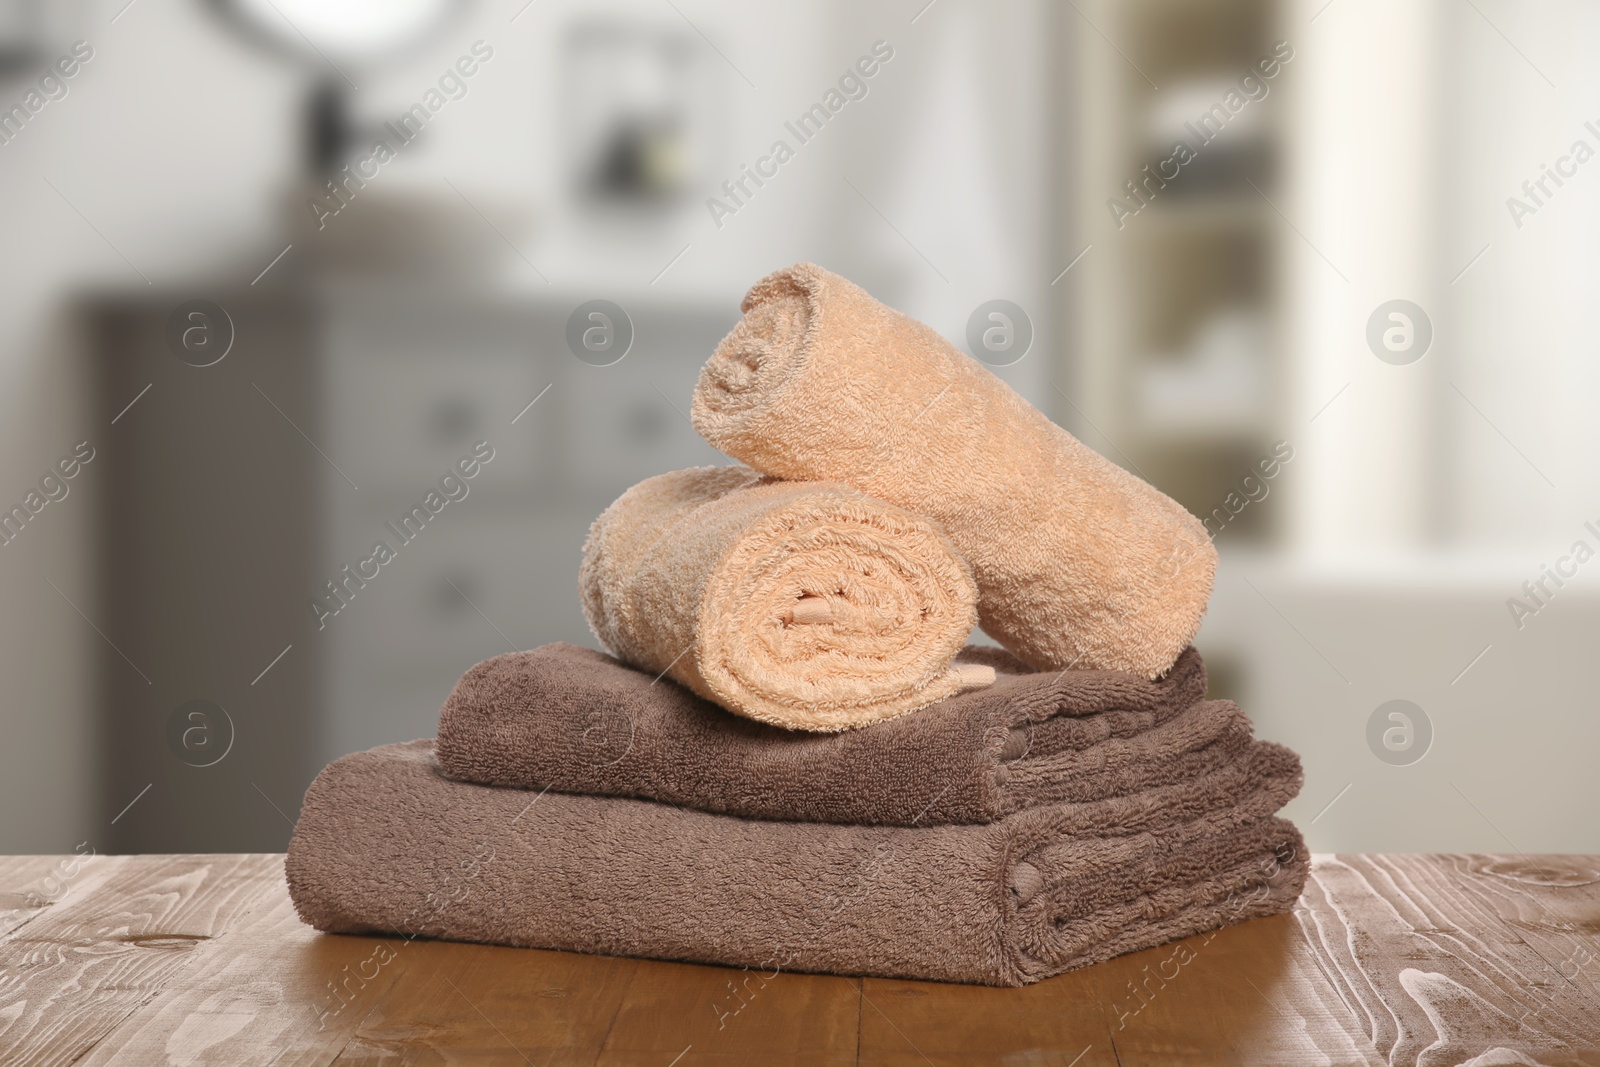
column 387, row 844
column 1078, row 562
column 576, row 720
column 809, row 606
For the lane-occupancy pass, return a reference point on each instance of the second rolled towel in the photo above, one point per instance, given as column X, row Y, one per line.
column 807, row 605
column 1078, row 562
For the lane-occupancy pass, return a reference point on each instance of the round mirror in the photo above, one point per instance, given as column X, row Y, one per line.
column 354, row 33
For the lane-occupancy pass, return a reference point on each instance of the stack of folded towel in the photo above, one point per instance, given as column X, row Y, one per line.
column 883, row 799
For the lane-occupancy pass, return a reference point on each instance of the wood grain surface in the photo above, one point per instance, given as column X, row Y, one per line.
column 1429, row 960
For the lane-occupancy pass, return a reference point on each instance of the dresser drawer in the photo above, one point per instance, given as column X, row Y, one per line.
column 629, row 420
column 409, row 389
column 470, row 585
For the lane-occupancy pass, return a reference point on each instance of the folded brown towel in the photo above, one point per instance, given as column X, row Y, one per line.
column 807, row 605
column 387, row 844
column 1078, row 562
column 578, row 721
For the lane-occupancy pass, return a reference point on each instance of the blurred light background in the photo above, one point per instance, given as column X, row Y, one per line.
column 266, row 368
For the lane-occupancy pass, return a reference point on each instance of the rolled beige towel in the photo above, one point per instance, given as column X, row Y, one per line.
column 806, row 605
column 1078, row 562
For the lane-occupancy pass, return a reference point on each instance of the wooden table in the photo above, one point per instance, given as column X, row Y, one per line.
column 1388, row 959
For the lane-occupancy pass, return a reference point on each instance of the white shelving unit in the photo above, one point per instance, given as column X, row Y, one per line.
column 1179, row 322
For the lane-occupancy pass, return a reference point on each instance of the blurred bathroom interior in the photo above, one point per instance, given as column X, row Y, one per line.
column 277, row 267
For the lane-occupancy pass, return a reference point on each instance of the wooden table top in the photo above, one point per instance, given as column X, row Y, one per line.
column 1449, row 959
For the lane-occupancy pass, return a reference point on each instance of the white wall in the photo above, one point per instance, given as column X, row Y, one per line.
column 1422, row 497
column 167, row 141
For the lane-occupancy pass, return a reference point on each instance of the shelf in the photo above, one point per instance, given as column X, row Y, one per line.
column 1210, row 213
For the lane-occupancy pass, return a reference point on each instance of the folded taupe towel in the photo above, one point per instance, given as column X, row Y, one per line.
column 578, row 721
column 387, row 844
column 1078, row 562
column 802, row 604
